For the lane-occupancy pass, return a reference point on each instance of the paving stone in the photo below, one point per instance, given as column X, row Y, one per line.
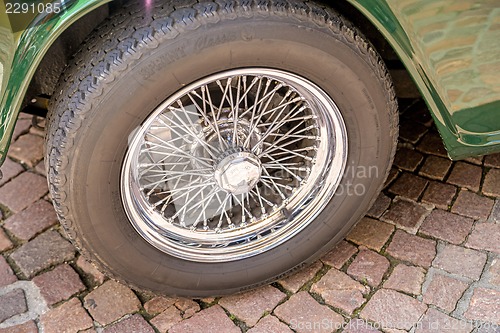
column 159, row 304
column 340, row 254
column 28, row 327
column 110, row 302
column 492, row 160
column 249, row 307
column 10, row 169
column 472, row 205
column 22, row 127
column 59, row 284
column 270, row 324
column 408, row 279
column 359, row 326
column 379, row 206
column 13, row 303
column 491, row 185
column 304, row 314
column 433, row 144
column 413, row 249
column 28, row 149
column 5, row 242
column 31, row 221
column 88, row 268
column 419, row 113
column 466, row 175
column 495, row 213
column 485, row 236
column 67, row 318
column 439, row 194
column 435, row 167
column 188, row 307
column 444, row 292
column 407, row 215
column 22, row 191
column 475, row 160
column 435, row 321
column 393, row 174
column 212, row 319
column 40, row 168
column 45, row 250
column 133, row 324
column 392, row 309
column 447, row 226
column 340, row 291
column 484, row 306
column 371, row 233
column 295, row 282
column 411, row 131
column 6, row 274
column 461, row 261
column 409, row 186
column 408, row 159
column 493, row 273
column 165, row 320
column 369, row 267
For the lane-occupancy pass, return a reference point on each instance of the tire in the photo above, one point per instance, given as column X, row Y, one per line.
column 134, row 105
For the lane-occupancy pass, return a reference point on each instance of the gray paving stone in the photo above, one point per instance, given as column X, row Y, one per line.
column 461, row 261
column 212, row 319
column 250, row 306
column 495, row 213
column 444, row 292
column 13, row 303
column 493, row 273
column 42, row 252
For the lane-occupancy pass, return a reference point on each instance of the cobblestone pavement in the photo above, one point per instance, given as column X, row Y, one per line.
column 426, row 258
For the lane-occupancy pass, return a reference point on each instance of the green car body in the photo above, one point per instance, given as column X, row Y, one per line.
column 451, row 48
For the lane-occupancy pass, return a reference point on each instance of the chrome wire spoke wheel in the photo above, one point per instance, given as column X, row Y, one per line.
column 233, row 165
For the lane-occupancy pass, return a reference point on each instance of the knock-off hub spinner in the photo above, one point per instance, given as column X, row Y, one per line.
column 238, row 171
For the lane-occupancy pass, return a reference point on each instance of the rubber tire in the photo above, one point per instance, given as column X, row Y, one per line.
column 133, row 62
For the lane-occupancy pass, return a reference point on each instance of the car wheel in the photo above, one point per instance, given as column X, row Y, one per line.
column 210, row 149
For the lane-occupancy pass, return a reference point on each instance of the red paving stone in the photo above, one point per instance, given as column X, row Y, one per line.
column 417, row 250
column 444, row 292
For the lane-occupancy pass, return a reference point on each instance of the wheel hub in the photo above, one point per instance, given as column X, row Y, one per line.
column 238, row 172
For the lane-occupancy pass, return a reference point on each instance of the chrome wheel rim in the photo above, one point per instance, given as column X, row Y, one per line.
column 233, row 165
